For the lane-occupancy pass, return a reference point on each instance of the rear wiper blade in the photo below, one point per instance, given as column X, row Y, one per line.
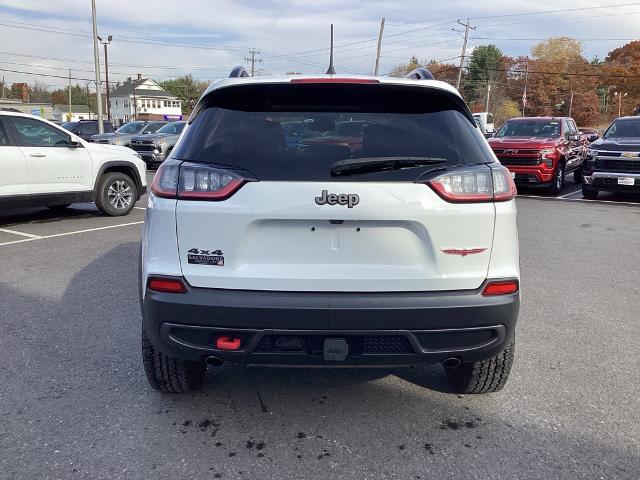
column 378, row 164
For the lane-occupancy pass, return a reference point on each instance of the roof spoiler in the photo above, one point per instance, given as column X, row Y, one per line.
column 238, row 72
column 419, row 73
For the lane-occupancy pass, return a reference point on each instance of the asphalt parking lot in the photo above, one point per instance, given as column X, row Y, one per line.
column 74, row 402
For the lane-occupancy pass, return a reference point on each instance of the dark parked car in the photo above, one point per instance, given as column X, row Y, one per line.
column 589, row 134
column 154, row 148
column 86, row 128
column 613, row 162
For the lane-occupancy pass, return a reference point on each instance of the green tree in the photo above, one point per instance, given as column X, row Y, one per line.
column 484, row 67
column 186, row 89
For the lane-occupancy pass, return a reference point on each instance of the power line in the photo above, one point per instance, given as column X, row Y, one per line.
column 569, row 19
column 545, row 12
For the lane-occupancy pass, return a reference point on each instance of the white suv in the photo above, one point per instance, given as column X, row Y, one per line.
column 44, row 165
column 330, row 221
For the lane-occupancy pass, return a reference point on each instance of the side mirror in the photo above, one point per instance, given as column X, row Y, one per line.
column 74, row 142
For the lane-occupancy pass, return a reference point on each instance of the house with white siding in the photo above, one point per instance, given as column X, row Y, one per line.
column 143, row 99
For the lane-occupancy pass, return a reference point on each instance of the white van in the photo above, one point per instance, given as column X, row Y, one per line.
column 484, row 120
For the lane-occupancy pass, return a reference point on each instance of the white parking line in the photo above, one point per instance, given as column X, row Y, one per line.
column 44, row 237
column 140, row 208
column 568, row 194
column 6, row 230
column 566, row 199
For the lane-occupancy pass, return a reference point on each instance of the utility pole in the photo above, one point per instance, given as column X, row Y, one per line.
column 96, row 60
column 253, row 60
column 526, row 76
column 486, row 108
column 466, row 26
column 88, row 102
column 69, row 115
column 571, row 104
column 106, row 72
column 2, row 86
column 375, row 71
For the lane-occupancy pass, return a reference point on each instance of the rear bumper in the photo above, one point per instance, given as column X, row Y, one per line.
column 379, row 328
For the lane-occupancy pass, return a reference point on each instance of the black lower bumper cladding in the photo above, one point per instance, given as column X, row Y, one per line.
column 294, row 328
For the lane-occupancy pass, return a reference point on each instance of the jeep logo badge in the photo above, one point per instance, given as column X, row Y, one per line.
column 348, row 199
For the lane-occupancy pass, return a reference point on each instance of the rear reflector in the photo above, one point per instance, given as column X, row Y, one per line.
column 500, row 288
column 167, row 285
column 227, row 342
column 334, row 80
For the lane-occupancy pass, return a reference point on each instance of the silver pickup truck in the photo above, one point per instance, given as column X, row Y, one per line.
column 155, row 148
column 122, row 136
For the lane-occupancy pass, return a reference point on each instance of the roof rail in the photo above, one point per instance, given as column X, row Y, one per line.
column 419, row 73
column 238, row 72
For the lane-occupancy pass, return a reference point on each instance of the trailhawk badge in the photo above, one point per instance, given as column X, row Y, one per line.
column 348, row 199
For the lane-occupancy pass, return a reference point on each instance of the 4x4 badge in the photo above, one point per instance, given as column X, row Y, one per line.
column 348, row 199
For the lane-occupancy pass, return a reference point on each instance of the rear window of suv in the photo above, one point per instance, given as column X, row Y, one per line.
column 298, row 131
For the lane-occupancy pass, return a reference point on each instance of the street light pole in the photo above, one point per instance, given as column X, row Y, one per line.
column 96, row 60
column 106, row 73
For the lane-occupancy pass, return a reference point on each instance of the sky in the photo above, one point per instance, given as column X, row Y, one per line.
column 165, row 39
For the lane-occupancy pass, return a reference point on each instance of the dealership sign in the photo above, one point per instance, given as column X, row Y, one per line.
column 172, row 117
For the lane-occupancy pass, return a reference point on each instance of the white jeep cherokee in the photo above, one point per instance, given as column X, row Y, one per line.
column 44, row 165
column 330, row 221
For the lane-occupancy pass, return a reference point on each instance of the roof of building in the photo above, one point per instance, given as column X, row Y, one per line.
column 127, row 89
column 74, row 108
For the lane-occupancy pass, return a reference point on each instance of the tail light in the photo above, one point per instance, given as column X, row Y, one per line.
column 493, row 184
column 193, row 181
column 503, row 287
column 166, row 285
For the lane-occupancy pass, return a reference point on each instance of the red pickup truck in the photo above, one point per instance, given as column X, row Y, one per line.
column 540, row 151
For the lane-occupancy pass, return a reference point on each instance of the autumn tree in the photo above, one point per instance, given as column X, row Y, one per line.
column 621, row 69
column 402, row 69
column 561, row 81
column 445, row 72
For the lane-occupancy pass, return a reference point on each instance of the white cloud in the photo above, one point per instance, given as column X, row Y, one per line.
column 280, row 28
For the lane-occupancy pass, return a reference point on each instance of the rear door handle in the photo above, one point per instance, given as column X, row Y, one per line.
column 38, row 155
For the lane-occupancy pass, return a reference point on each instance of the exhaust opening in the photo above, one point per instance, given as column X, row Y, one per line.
column 214, row 361
column 452, row 362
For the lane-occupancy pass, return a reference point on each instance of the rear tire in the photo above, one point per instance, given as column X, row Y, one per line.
column 168, row 374
column 589, row 193
column 577, row 176
column 117, row 194
column 558, row 181
column 485, row 376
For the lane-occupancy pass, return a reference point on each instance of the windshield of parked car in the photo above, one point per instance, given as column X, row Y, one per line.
column 69, row 125
column 629, row 128
column 153, row 127
column 173, row 128
column 297, row 132
column 131, row 127
column 530, row 128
